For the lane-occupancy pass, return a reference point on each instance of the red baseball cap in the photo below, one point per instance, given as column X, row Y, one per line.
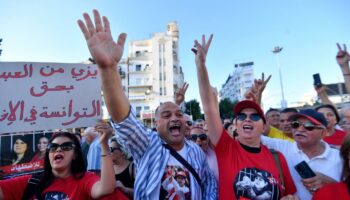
column 248, row 104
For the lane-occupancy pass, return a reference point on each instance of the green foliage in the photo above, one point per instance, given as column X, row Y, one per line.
column 193, row 108
column 226, row 108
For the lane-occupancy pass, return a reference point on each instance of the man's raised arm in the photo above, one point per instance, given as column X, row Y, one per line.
column 107, row 54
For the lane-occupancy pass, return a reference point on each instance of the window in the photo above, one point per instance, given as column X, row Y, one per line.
column 160, row 91
column 138, row 68
column 138, row 53
column 146, row 108
column 138, row 81
column 138, row 111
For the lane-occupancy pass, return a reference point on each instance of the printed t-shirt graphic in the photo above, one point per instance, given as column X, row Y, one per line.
column 175, row 183
column 252, row 183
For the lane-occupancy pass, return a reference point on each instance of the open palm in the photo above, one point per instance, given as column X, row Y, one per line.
column 103, row 49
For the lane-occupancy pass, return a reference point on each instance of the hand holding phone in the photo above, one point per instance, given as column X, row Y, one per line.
column 317, row 80
column 304, row 170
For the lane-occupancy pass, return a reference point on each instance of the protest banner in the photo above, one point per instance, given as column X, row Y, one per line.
column 42, row 96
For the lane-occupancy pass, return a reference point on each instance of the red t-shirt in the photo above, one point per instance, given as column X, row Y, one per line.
column 245, row 175
column 332, row 191
column 336, row 139
column 67, row 188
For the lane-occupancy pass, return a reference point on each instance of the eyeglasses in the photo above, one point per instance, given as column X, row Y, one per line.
column 65, row 146
column 189, row 123
column 112, row 149
column 201, row 136
column 254, row 117
column 307, row 125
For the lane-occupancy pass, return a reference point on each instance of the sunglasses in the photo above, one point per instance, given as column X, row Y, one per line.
column 201, row 136
column 189, row 123
column 307, row 125
column 65, row 146
column 113, row 149
column 254, row 117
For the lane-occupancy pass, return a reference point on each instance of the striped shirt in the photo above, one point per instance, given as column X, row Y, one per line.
column 151, row 158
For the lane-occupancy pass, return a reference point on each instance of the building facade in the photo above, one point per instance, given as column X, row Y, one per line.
column 151, row 73
column 238, row 82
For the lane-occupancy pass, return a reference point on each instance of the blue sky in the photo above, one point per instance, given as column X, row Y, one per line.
column 244, row 30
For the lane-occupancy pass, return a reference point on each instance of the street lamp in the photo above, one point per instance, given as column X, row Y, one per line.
column 0, row 45
column 276, row 50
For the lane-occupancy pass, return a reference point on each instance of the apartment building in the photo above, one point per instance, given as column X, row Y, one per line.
column 151, row 73
column 238, row 82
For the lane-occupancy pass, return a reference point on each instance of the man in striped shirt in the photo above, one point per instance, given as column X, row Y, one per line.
column 154, row 162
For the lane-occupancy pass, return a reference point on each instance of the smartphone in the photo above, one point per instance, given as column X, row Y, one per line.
column 304, row 170
column 317, row 80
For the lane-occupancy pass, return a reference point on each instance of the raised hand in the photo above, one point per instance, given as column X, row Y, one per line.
column 103, row 49
column 255, row 93
column 201, row 50
column 343, row 56
column 105, row 130
column 321, row 89
column 180, row 93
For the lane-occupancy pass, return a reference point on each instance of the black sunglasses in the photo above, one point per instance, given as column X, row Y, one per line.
column 254, row 117
column 65, row 146
column 201, row 136
column 189, row 123
column 113, row 149
column 307, row 125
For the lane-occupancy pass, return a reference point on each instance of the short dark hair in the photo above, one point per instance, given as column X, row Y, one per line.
column 287, row 110
column 227, row 125
column 330, row 107
column 271, row 110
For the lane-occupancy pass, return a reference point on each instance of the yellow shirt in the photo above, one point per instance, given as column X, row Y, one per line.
column 276, row 133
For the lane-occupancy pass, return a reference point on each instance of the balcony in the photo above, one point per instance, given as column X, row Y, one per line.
column 141, row 97
column 141, row 56
column 141, row 84
column 144, row 71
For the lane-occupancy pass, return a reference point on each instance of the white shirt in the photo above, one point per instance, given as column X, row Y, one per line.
column 212, row 162
column 173, row 162
column 328, row 163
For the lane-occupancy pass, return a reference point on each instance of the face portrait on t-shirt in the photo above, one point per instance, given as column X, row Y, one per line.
column 252, row 183
column 56, row 196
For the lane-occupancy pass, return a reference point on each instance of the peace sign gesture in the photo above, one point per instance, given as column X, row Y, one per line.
column 180, row 93
column 343, row 56
column 201, row 50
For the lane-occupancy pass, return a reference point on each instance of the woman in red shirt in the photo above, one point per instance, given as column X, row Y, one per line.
column 65, row 174
column 334, row 136
column 338, row 190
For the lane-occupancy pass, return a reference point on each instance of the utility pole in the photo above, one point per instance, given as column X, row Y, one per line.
column 276, row 50
column 0, row 45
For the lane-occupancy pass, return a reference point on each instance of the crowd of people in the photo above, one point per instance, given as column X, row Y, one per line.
column 281, row 154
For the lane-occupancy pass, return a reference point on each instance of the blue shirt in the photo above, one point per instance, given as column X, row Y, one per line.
column 151, row 158
column 94, row 156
